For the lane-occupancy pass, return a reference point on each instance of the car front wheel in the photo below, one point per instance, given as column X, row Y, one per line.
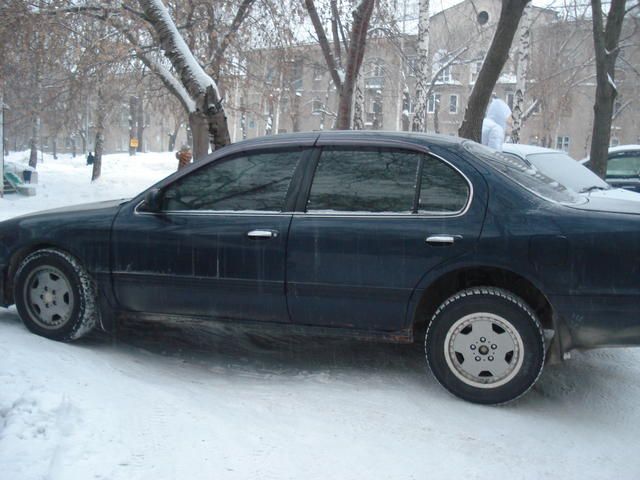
column 485, row 345
column 55, row 296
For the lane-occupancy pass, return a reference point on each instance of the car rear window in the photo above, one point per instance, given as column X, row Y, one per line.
column 527, row 176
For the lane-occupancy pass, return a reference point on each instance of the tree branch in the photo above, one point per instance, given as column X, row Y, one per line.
column 324, row 42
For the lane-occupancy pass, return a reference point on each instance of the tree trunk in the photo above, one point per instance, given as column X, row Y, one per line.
column 357, row 45
column 140, row 125
column 200, row 86
column 200, row 136
column 497, row 55
column 173, row 136
column 33, row 154
column 295, row 115
column 132, row 124
column 521, row 73
column 54, row 147
column 99, row 143
column 605, row 39
column 358, row 105
column 419, row 123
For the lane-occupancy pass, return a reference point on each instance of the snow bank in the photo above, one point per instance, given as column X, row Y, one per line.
column 67, row 181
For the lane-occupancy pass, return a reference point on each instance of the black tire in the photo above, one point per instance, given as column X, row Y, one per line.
column 74, row 311
column 467, row 327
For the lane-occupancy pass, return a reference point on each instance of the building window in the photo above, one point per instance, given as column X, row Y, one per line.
column 377, row 67
column 475, row 70
column 318, row 72
column 445, row 75
column 434, row 100
column 412, row 66
column 535, row 107
column 296, row 75
column 453, row 103
column 317, row 106
column 562, row 143
column 510, row 97
column 615, row 141
column 408, row 104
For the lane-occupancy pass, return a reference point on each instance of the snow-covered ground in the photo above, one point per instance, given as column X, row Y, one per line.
column 157, row 402
column 67, row 181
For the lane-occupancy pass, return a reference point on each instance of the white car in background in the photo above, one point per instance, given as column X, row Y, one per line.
column 623, row 167
column 559, row 166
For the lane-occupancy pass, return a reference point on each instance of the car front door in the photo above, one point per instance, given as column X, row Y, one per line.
column 365, row 237
column 217, row 247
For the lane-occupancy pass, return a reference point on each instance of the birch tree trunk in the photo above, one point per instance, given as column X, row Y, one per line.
column 521, row 73
column 423, row 75
column 605, row 40
column 497, row 55
column 358, row 105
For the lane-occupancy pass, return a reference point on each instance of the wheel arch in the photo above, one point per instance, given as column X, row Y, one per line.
column 448, row 283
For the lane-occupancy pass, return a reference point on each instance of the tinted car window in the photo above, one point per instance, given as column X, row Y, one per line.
column 443, row 190
column 252, row 182
column 624, row 166
column 364, row 180
column 528, row 177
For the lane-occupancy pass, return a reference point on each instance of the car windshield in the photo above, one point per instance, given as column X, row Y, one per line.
column 564, row 169
column 527, row 175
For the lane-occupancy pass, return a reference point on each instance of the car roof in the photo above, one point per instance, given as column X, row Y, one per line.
column 524, row 150
column 329, row 137
column 624, row 148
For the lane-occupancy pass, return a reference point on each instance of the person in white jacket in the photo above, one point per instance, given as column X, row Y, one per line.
column 495, row 123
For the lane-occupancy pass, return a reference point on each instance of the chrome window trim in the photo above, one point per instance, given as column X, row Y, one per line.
column 202, row 213
column 346, row 214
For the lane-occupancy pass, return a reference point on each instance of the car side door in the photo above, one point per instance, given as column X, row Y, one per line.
column 375, row 220
column 216, row 248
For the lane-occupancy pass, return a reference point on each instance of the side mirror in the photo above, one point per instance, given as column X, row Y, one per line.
column 153, row 200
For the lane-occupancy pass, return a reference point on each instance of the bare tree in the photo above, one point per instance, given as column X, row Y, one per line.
column 208, row 120
column 344, row 79
column 496, row 57
column 605, row 41
column 423, row 73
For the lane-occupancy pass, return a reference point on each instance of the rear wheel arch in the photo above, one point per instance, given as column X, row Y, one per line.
column 454, row 281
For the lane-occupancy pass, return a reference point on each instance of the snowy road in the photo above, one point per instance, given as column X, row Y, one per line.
column 162, row 403
column 156, row 402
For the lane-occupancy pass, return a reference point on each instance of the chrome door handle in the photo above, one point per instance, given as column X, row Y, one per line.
column 443, row 239
column 260, row 233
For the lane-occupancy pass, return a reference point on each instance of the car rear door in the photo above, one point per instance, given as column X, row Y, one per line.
column 217, row 248
column 363, row 237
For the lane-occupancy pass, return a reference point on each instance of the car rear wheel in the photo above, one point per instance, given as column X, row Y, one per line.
column 485, row 345
column 55, row 296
